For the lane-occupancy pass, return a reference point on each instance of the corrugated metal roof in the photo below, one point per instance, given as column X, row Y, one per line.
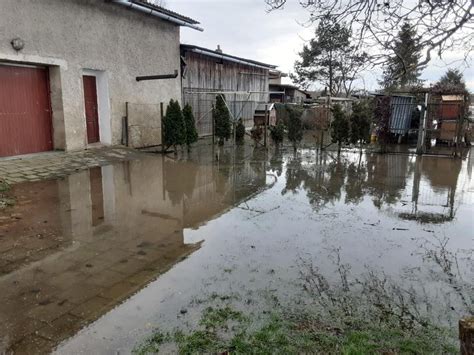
column 161, row 9
column 402, row 109
column 190, row 47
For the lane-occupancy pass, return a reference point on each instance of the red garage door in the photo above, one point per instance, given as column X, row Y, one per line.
column 25, row 113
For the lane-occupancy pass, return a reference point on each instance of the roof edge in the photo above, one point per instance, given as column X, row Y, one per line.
column 224, row 55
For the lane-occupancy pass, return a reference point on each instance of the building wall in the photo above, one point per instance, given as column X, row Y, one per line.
column 205, row 74
column 71, row 36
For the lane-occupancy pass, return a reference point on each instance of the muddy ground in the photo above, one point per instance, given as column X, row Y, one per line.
column 94, row 262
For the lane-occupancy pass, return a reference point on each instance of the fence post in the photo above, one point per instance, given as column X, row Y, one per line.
column 466, row 335
column 459, row 128
column 126, row 124
column 161, row 127
column 265, row 128
column 420, row 147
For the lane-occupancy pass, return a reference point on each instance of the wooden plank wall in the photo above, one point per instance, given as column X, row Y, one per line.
column 206, row 74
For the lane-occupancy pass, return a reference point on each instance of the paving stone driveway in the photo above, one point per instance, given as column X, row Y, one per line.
column 49, row 165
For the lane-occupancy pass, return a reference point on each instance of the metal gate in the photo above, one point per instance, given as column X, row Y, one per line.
column 25, row 111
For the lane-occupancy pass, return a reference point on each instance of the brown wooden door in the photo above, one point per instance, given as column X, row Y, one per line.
column 92, row 114
column 25, row 111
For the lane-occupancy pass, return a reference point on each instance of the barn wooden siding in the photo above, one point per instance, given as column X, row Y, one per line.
column 208, row 74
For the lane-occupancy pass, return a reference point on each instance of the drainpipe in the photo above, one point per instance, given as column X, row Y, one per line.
column 155, row 13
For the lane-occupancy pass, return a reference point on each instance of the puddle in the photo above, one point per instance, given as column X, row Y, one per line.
column 96, row 261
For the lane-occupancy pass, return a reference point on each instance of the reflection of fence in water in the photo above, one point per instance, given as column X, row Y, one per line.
column 144, row 125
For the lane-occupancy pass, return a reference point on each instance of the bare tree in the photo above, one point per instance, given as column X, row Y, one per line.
column 440, row 24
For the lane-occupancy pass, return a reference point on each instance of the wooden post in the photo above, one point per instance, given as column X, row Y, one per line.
column 265, row 128
column 466, row 335
column 162, row 115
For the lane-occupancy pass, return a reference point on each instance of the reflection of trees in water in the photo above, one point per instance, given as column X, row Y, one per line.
column 386, row 178
column 355, row 183
column 179, row 179
column 276, row 162
column 383, row 177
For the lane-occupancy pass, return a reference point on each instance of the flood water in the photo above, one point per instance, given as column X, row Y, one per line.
column 94, row 262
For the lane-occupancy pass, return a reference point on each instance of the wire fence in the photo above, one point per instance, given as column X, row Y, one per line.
column 241, row 106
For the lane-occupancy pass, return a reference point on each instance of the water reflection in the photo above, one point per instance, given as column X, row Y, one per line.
column 72, row 249
column 419, row 188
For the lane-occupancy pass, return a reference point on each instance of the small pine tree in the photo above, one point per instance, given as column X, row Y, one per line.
column 360, row 122
column 295, row 126
column 221, row 117
column 339, row 126
column 191, row 132
column 277, row 133
column 451, row 81
column 174, row 131
column 240, row 131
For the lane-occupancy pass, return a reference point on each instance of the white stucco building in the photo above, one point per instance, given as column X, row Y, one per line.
column 68, row 68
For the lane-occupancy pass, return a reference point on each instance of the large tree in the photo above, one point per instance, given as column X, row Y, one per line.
column 442, row 24
column 330, row 58
column 401, row 68
column 451, row 81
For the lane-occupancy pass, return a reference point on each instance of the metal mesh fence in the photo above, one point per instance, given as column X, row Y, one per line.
column 241, row 106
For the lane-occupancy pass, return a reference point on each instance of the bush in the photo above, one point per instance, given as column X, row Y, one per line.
column 191, row 132
column 240, row 131
column 174, row 131
column 340, row 126
column 221, row 117
column 277, row 133
column 256, row 133
column 360, row 122
column 295, row 126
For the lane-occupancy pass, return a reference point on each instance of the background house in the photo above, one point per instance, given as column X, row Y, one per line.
column 68, row 68
column 285, row 93
column 207, row 73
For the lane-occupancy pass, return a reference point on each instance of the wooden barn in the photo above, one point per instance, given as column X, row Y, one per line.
column 207, row 73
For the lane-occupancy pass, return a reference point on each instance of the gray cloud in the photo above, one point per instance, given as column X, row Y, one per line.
column 246, row 29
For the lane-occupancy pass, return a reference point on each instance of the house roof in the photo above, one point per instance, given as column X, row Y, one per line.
column 160, row 9
column 224, row 56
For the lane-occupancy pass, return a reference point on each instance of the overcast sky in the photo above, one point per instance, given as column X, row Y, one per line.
column 244, row 28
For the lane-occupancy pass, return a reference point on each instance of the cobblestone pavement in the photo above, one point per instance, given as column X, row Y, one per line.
column 49, row 165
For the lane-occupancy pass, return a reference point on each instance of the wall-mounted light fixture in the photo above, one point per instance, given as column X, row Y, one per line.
column 18, row 44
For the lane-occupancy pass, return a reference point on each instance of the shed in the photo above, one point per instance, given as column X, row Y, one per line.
column 259, row 115
column 451, row 107
column 208, row 73
column 401, row 108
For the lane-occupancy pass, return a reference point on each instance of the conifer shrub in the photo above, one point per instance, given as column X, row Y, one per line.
column 221, row 117
column 240, row 131
column 190, row 125
column 174, row 130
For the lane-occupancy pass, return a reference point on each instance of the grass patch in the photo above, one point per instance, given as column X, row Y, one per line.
column 5, row 199
column 225, row 329
column 370, row 314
